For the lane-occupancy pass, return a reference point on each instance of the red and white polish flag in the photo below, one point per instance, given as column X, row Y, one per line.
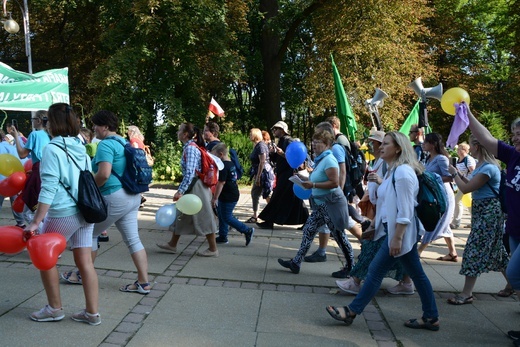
column 215, row 108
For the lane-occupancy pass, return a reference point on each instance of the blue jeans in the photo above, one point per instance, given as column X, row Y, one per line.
column 513, row 268
column 377, row 271
column 18, row 217
column 226, row 218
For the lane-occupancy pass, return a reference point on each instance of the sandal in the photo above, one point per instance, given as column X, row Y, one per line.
column 506, row 292
column 251, row 220
column 67, row 276
column 344, row 316
column 449, row 257
column 138, row 288
column 427, row 323
column 460, row 300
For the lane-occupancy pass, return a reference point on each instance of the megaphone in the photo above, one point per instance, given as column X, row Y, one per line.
column 426, row 93
column 377, row 99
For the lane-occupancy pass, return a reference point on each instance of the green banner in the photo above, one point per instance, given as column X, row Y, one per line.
column 20, row 91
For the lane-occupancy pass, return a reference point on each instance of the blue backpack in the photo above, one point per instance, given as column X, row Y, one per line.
column 234, row 159
column 138, row 174
column 432, row 200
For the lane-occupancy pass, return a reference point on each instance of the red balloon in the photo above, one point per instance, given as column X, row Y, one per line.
column 18, row 204
column 44, row 250
column 13, row 184
column 27, row 166
column 11, row 239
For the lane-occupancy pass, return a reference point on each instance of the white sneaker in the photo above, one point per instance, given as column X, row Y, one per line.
column 48, row 314
column 402, row 289
column 85, row 317
column 349, row 286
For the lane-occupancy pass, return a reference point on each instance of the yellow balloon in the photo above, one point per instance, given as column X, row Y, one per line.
column 453, row 96
column 466, row 200
column 189, row 204
column 10, row 164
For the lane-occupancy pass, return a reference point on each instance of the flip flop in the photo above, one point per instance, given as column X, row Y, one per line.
column 139, row 288
column 449, row 257
column 459, row 300
column 337, row 315
column 66, row 276
column 251, row 220
column 506, row 292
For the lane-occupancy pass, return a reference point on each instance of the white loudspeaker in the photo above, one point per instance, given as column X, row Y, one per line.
column 377, row 99
column 417, row 86
column 434, row 92
column 424, row 93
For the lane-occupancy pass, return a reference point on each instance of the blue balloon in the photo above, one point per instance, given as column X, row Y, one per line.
column 165, row 216
column 296, row 153
column 301, row 193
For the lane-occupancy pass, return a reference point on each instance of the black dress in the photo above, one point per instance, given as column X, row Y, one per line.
column 284, row 208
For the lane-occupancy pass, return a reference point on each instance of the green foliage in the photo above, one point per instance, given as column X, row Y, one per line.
column 494, row 122
column 167, row 163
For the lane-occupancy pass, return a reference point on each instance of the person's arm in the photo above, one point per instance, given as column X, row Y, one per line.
column 482, row 134
column 397, row 240
column 41, row 212
column 103, row 173
column 22, row 151
column 468, row 186
column 261, row 157
column 218, row 190
column 342, row 175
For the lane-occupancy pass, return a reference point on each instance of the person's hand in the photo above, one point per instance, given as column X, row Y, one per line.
column 214, row 202
column 395, row 246
column 13, row 131
column 374, row 177
column 307, row 184
column 29, row 231
column 177, row 196
column 369, row 233
column 452, row 169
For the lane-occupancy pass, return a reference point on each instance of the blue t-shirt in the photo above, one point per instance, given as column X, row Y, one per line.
column 325, row 160
column 111, row 150
column 439, row 165
column 339, row 152
column 485, row 191
column 35, row 142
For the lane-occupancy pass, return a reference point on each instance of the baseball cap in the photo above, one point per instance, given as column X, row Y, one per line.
column 376, row 135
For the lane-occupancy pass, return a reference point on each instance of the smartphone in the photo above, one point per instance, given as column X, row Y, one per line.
column 14, row 123
column 454, row 161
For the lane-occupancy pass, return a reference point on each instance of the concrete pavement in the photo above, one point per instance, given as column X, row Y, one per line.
column 243, row 297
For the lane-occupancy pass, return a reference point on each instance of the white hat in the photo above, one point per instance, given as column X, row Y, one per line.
column 281, row 125
column 376, row 135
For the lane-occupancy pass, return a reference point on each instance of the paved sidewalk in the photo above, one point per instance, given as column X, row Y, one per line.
column 243, row 297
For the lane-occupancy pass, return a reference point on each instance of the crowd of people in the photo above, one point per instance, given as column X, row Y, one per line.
column 391, row 235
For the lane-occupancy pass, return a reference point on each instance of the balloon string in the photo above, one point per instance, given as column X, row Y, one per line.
column 3, row 121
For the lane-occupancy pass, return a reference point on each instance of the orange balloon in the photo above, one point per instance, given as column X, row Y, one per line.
column 11, row 239
column 44, row 250
column 453, row 96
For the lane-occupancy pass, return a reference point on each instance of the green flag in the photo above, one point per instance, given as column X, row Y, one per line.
column 345, row 114
column 413, row 118
column 20, row 91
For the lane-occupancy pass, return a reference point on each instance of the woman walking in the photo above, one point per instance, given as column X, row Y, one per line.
column 395, row 217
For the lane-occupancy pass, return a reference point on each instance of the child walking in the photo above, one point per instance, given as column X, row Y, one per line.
column 227, row 195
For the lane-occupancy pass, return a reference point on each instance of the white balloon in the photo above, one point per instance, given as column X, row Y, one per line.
column 165, row 216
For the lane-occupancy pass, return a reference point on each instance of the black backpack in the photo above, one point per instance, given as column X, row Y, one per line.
column 90, row 201
column 138, row 174
column 355, row 165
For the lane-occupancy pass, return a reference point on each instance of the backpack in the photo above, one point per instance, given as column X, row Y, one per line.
column 209, row 170
column 501, row 194
column 137, row 174
column 432, row 200
column 90, row 201
column 355, row 165
column 234, row 159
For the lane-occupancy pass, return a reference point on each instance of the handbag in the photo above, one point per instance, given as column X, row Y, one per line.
column 367, row 208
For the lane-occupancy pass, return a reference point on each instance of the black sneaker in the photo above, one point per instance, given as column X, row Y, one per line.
column 316, row 258
column 265, row 225
column 221, row 240
column 343, row 273
column 288, row 264
column 103, row 238
column 514, row 334
column 249, row 235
